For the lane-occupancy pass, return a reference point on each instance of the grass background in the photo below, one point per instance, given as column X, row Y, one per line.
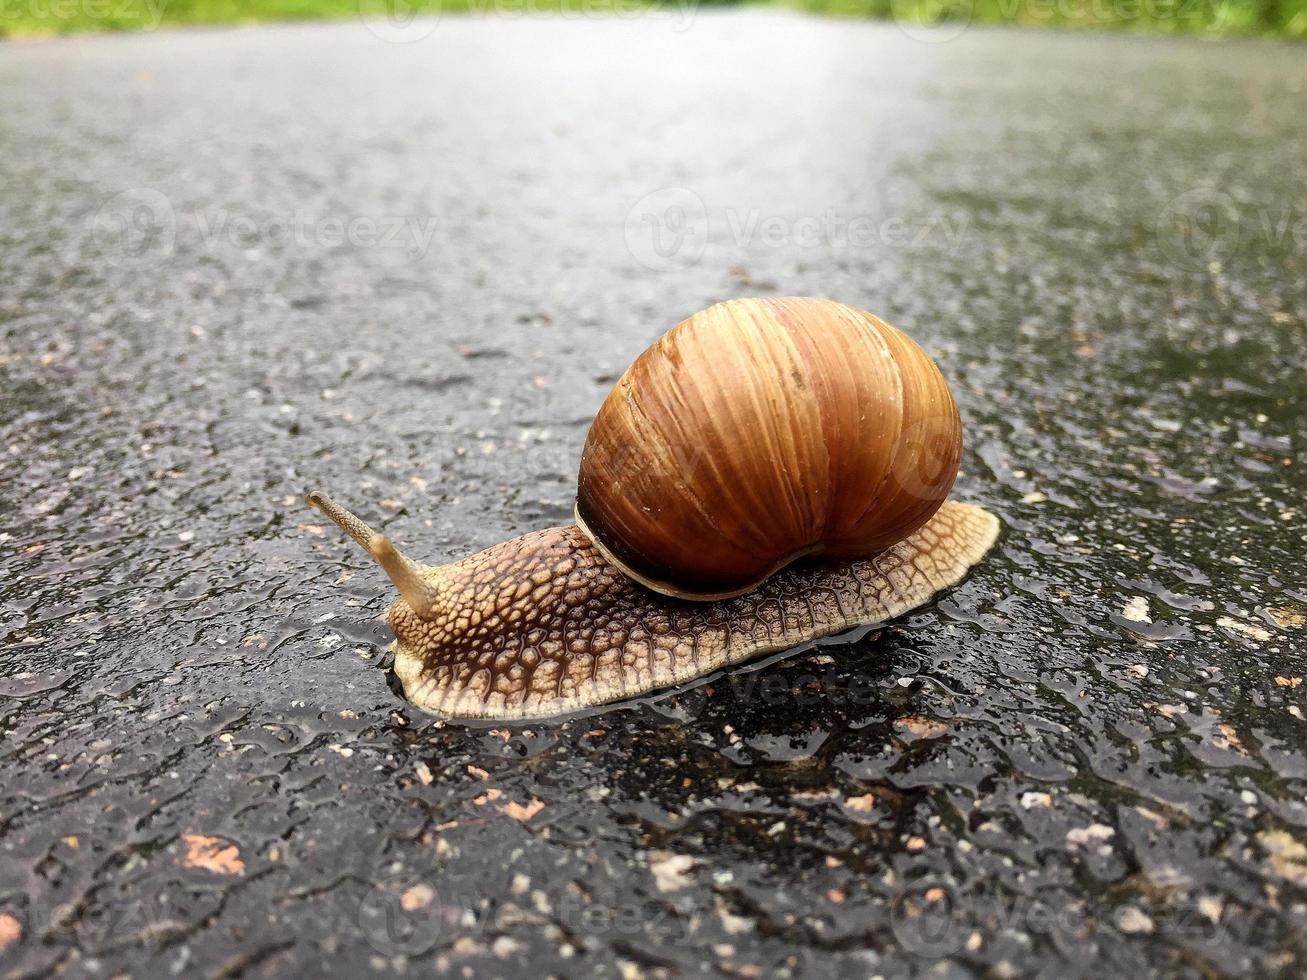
column 1284, row 18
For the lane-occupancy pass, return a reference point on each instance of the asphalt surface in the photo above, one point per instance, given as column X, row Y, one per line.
column 241, row 264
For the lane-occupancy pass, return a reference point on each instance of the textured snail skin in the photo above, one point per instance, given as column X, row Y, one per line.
column 542, row 625
column 759, row 431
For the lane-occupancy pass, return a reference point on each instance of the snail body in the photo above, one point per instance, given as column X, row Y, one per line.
column 543, row 624
column 768, row 473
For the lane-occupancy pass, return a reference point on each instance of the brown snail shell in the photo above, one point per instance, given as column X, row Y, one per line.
column 752, row 434
column 759, row 431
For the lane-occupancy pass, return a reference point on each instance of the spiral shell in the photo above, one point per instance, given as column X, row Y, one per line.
column 761, row 430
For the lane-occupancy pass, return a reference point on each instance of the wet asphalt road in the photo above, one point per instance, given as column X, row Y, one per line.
column 240, row 264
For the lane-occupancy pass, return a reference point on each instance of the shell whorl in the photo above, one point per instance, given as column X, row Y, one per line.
column 759, row 431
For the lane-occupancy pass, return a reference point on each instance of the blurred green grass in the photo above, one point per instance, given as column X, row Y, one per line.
column 1285, row 18
column 19, row 18
column 1270, row 17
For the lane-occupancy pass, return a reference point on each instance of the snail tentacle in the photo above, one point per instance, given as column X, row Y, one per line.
column 406, row 574
column 358, row 529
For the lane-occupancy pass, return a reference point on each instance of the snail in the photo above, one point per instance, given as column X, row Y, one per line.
column 769, row 472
